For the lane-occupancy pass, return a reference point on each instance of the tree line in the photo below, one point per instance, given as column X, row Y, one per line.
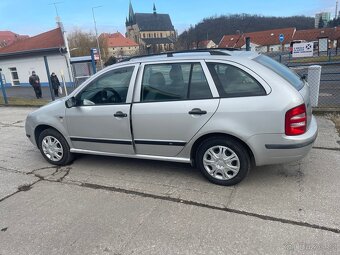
column 214, row 28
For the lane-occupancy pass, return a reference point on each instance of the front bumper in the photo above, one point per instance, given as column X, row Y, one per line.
column 279, row 148
column 29, row 129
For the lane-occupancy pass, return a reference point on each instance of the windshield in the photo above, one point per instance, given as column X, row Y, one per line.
column 281, row 70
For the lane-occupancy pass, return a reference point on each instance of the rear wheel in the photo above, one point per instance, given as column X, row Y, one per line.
column 54, row 148
column 223, row 161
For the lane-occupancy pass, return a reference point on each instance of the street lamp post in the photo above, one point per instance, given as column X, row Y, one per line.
column 95, row 27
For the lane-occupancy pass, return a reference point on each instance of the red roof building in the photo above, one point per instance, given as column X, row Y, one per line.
column 22, row 57
column 8, row 37
column 269, row 40
column 261, row 38
column 311, row 35
column 46, row 41
column 207, row 44
column 118, row 45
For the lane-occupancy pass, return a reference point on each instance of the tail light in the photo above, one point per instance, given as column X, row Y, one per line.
column 296, row 120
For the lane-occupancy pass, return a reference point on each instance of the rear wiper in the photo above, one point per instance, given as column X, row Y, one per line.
column 303, row 77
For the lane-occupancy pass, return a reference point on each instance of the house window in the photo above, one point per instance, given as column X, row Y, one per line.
column 161, row 35
column 15, row 77
column 155, row 35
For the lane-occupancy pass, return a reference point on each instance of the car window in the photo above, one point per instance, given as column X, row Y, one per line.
column 281, row 70
column 175, row 81
column 109, row 88
column 231, row 81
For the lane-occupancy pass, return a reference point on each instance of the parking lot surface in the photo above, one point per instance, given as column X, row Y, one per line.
column 106, row 205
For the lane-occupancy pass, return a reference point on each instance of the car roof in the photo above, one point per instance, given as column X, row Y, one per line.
column 199, row 54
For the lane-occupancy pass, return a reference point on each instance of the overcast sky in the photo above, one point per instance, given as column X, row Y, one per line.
column 35, row 16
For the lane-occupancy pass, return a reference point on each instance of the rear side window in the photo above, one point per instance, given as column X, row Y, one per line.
column 234, row 82
column 175, row 81
column 281, row 70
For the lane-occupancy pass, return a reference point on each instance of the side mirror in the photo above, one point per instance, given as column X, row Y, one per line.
column 304, row 77
column 71, row 102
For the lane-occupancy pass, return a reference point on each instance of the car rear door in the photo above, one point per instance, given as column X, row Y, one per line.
column 101, row 121
column 173, row 101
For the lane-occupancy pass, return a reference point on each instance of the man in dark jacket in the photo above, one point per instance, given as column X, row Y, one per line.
column 55, row 84
column 35, row 83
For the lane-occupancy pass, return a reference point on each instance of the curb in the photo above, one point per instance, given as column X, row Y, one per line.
column 326, row 110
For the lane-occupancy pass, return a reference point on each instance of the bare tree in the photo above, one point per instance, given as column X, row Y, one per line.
column 81, row 42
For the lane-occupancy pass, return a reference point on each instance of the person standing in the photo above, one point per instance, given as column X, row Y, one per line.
column 34, row 80
column 55, row 84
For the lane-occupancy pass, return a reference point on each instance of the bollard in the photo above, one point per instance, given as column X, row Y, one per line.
column 3, row 88
column 314, row 76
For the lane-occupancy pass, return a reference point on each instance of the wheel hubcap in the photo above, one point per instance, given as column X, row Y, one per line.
column 52, row 148
column 221, row 162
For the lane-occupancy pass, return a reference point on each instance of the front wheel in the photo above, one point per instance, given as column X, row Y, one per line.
column 54, row 147
column 223, row 160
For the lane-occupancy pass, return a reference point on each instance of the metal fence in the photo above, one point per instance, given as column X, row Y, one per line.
column 329, row 91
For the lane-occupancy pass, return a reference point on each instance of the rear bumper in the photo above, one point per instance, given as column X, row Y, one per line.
column 279, row 148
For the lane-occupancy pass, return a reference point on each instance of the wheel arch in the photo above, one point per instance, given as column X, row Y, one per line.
column 199, row 141
column 40, row 128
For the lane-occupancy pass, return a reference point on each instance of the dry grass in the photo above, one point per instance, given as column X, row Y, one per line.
column 335, row 117
column 315, row 59
column 15, row 101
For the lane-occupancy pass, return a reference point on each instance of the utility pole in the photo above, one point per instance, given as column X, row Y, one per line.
column 61, row 26
column 95, row 28
column 336, row 9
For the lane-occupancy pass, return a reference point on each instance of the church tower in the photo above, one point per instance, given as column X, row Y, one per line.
column 153, row 31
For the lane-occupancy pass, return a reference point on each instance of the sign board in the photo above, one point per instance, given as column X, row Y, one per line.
column 281, row 38
column 323, row 44
column 301, row 50
column 95, row 54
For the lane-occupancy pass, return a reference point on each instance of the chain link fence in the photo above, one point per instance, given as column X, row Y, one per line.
column 329, row 93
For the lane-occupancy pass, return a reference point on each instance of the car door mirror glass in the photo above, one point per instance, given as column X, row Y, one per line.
column 71, row 102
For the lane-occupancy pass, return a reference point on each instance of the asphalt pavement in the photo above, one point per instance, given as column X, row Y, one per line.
column 107, row 205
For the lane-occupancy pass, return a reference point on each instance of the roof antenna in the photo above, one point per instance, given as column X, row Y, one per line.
column 55, row 6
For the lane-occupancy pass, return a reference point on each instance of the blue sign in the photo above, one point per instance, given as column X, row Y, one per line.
column 281, row 38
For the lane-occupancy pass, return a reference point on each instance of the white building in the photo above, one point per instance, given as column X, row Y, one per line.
column 18, row 60
column 325, row 16
column 119, row 46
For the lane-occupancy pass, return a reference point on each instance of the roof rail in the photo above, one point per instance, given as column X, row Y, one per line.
column 212, row 51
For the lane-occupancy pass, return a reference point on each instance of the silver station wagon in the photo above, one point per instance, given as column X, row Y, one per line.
column 222, row 111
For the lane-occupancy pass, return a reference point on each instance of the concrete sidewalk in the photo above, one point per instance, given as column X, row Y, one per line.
column 102, row 205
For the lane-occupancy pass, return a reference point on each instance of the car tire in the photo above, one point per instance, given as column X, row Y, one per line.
column 54, row 148
column 223, row 161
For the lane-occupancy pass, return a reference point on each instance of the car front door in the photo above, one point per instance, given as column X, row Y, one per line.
column 101, row 120
column 173, row 102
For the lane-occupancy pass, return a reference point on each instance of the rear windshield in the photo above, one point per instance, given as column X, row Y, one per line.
column 281, row 70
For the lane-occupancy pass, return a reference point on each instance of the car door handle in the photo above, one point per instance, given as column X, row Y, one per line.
column 120, row 115
column 197, row 111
